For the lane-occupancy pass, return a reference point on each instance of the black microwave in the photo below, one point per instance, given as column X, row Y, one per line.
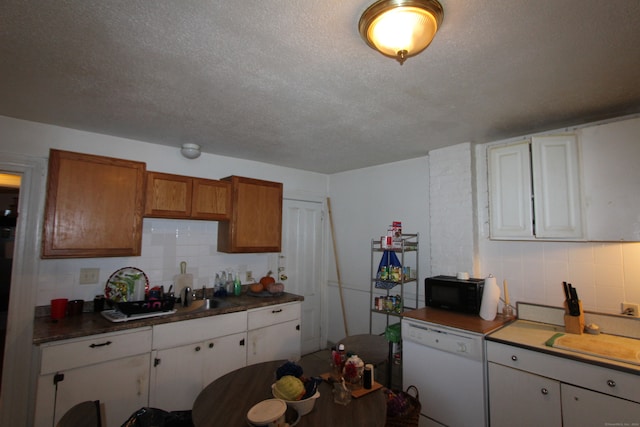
column 451, row 293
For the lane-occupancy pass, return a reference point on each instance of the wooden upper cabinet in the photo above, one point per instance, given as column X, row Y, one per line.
column 256, row 217
column 168, row 196
column 211, row 199
column 94, row 206
column 183, row 197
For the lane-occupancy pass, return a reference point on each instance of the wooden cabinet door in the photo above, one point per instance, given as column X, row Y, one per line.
column 94, row 206
column 184, row 197
column 168, row 196
column 523, row 399
column 256, row 217
column 211, row 199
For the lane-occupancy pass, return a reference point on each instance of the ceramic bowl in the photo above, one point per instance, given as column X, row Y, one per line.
column 303, row 406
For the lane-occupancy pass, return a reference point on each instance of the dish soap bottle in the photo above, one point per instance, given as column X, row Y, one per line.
column 237, row 286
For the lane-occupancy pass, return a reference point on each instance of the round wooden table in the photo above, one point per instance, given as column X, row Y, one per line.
column 227, row 400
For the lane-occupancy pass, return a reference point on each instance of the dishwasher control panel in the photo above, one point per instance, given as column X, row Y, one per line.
column 453, row 341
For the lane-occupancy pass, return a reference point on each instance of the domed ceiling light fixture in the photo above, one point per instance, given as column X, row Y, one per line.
column 401, row 29
column 190, row 151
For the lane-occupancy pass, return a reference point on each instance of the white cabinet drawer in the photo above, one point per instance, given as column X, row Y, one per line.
column 80, row 352
column 168, row 335
column 597, row 378
column 261, row 317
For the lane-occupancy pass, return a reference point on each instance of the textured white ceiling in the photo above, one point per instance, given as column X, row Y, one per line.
column 291, row 83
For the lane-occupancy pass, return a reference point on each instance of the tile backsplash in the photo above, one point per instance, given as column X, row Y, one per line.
column 604, row 274
column 165, row 243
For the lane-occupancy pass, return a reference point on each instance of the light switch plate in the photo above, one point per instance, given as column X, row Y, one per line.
column 89, row 276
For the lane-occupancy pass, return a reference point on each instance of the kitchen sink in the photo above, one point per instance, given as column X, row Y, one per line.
column 207, row 304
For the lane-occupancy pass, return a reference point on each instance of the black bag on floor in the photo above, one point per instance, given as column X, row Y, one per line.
column 153, row 417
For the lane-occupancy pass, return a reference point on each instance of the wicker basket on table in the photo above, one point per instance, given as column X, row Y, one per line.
column 403, row 408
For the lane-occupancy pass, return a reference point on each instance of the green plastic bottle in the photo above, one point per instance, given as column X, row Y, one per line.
column 237, row 286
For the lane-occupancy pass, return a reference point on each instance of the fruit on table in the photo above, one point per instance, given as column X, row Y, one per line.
column 275, row 288
column 289, row 388
column 256, row 288
column 267, row 280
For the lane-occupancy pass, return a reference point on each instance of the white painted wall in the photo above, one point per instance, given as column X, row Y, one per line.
column 451, row 207
column 165, row 242
column 364, row 203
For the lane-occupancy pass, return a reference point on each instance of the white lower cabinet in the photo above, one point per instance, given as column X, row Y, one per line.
column 520, row 398
column 112, row 368
column 274, row 333
column 528, row 388
column 188, row 355
column 582, row 407
column 165, row 366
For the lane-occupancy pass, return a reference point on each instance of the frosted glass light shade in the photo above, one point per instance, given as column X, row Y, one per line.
column 400, row 29
column 190, row 151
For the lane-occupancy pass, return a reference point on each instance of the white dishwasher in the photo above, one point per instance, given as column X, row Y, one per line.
column 447, row 366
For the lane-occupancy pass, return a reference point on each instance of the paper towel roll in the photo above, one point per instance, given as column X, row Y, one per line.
column 490, row 298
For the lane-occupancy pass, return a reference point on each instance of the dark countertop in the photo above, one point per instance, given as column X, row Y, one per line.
column 464, row 321
column 46, row 330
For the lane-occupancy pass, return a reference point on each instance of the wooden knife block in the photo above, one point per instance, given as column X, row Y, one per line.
column 573, row 324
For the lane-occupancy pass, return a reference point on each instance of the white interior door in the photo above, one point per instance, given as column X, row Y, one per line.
column 300, row 264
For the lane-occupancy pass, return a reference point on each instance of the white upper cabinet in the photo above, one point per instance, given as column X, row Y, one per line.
column 556, row 187
column 510, row 191
column 534, row 190
column 611, row 180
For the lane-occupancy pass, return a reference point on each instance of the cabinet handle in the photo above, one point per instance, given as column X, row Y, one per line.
column 198, row 348
column 210, row 345
column 514, row 358
column 100, row 345
column 276, row 311
column 611, row 383
column 544, row 391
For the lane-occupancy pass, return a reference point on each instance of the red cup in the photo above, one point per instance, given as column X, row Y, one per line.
column 58, row 308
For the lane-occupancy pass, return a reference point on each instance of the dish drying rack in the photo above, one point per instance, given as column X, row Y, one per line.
column 118, row 316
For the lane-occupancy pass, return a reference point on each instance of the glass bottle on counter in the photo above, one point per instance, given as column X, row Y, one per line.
column 237, row 286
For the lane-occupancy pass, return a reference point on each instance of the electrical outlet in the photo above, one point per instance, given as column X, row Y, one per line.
column 631, row 309
column 249, row 276
column 89, row 276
